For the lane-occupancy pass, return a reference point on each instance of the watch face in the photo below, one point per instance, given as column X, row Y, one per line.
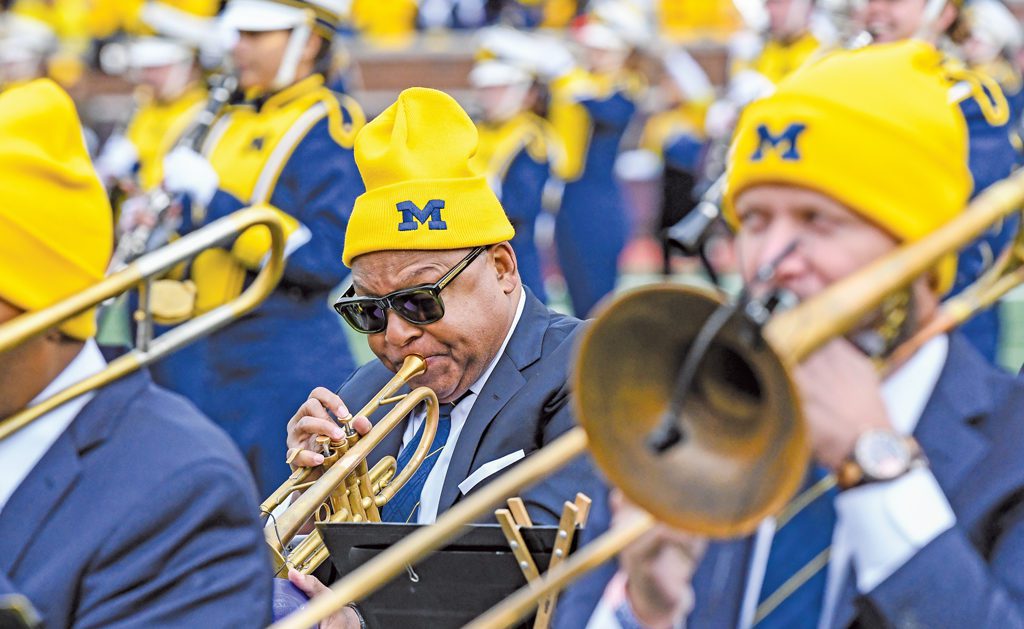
column 882, row 455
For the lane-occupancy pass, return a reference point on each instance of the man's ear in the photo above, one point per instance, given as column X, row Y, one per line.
column 313, row 43
column 504, row 260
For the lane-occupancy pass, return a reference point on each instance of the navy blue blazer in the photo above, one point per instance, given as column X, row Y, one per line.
column 142, row 514
column 524, row 405
column 972, row 430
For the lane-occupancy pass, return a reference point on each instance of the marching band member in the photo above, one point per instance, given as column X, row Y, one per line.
column 288, row 145
column 123, row 507
column 996, row 37
column 516, row 151
column 788, row 41
column 677, row 139
column 169, row 95
column 433, row 274
column 590, row 110
column 924, row 525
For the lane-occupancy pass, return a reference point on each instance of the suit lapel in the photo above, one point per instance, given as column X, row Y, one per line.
column 35, row 500
column 945, row 431
column 43, row 490
column 524, row 348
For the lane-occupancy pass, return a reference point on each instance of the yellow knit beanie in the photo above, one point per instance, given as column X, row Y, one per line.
column 421, row 192
column 56, row 225
column 874, row 129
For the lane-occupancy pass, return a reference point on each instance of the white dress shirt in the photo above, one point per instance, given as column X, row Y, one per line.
column 430, row 496
column 20, row 452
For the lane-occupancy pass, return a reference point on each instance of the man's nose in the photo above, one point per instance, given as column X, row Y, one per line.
column 400, row 332
column 779, row 257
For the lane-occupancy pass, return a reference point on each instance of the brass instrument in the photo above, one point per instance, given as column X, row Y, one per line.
column 745, row 450
column 140, row 274
column 347, row 491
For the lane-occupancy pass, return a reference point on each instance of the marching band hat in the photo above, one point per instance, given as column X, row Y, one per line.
column 275, row 15
column 421, row 192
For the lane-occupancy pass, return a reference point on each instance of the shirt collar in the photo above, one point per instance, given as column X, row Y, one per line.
column 907, row 390
column 89, row 361
column 21, row 451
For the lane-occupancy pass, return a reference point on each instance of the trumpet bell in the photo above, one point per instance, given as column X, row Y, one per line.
column 744, row 451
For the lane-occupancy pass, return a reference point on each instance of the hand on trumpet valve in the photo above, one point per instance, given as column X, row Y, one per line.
column 840, row 391
column 316, row 418
column 659, row 568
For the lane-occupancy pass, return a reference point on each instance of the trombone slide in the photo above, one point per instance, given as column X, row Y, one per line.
column 791, row 337
column 32, row 324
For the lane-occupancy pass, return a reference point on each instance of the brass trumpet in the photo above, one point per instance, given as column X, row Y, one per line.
column 139, row 274
column 347, row 491
column 746, row 447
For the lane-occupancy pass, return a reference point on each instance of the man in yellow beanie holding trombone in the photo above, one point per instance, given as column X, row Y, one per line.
column 433, row 274
column 123, row 507
column 912, row 514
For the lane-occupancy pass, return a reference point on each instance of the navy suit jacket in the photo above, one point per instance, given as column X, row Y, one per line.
column 972, row 430
column 141, row 514
column 524, row 405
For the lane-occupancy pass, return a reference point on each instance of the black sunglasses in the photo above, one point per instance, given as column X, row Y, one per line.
column 419, row 305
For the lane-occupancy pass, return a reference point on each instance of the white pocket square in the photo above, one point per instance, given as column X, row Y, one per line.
column 488, row 469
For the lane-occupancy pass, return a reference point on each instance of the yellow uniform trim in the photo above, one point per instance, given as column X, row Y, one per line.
column 501, row 143
column 777, row 59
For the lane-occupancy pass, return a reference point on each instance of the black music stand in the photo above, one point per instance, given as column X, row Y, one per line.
column 446, row 589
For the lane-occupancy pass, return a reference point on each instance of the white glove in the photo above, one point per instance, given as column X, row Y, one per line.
column 189, row 173
column 117, row 160
column 720, row 119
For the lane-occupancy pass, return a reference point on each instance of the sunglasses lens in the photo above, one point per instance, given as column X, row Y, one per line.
column 365, row 316
column 420, row 307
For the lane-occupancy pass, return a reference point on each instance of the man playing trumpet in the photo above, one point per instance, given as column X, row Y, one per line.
column 433, row 274
column 911, row 515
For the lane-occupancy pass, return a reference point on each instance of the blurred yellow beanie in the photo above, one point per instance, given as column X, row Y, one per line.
column 421, row 192
column 56, row 226
column 874, row 129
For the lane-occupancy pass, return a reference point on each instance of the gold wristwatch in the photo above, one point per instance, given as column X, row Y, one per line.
column 879, row 455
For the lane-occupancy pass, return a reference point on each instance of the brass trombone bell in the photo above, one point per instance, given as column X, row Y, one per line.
column 745, row 450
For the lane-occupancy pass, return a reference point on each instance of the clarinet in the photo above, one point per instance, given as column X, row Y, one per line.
column 158, row 202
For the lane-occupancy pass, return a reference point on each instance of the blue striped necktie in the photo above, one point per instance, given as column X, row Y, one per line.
column 793, row 591
column 404, row 505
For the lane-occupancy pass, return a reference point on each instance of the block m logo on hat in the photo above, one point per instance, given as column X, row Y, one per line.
column 430, row 215
column 787, row 139
column 415, row 161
